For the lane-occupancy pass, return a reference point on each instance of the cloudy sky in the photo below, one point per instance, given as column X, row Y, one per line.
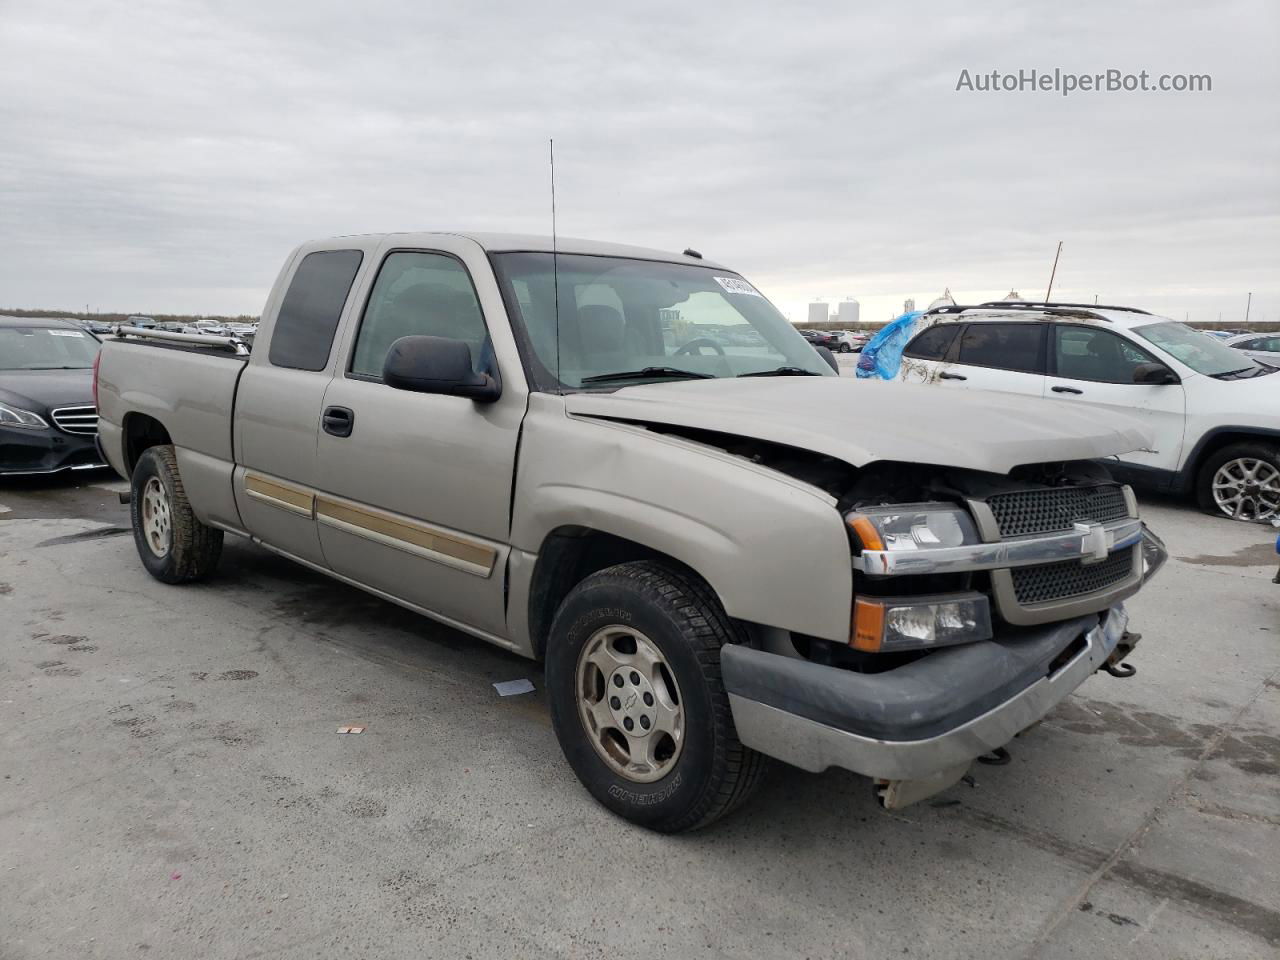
column 165, row 156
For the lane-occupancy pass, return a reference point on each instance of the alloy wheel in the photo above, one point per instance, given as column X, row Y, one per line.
column 157, row 520
column 1247, row 488
column 630, row 704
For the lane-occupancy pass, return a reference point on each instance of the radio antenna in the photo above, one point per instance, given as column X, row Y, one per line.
column 1049, row 293
column 555, row 259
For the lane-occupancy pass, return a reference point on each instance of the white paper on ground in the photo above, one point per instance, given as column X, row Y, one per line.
column 509, row 688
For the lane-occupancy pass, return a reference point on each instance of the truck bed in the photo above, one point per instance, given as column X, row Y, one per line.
column 188, row 385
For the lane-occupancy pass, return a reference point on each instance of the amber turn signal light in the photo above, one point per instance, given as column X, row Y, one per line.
column 868, row 625
column 867, row 533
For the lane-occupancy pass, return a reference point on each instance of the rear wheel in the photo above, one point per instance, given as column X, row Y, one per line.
column 846, row 348
column 1241, row 481
column 174, row 546
column 633, row 677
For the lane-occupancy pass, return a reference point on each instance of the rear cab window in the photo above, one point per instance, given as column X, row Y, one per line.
column 1004, row 346
column 312, row 306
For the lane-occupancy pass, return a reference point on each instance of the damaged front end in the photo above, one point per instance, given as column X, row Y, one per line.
column 980, row 602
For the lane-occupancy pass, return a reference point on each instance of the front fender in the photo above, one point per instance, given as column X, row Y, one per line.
column 774, row 549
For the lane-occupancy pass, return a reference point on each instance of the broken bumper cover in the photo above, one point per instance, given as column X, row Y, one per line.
column 923, row 718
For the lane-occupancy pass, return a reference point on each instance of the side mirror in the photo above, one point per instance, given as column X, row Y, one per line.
column 1154, row 374
column 437, row 365
column 826, row 354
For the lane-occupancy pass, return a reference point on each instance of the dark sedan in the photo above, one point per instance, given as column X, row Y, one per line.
column 820, row 338
column 48, row 421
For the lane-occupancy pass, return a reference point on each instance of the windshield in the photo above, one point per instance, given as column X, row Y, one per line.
column 656, row 320
column 46, row 348
column 1199, row 351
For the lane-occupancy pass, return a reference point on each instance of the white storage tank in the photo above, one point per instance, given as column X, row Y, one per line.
column 819, row 313
column 847, row 313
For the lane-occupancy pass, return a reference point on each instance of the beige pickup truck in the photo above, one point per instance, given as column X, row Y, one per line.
column 627, row 463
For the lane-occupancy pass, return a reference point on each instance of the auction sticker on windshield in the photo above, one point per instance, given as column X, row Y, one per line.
column 738, row 285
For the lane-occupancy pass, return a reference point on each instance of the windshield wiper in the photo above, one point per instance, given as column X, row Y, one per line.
column 782, row 372
column 648, row 373
column 1236, row 374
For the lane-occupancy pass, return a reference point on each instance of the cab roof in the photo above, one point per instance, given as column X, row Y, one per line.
column 542, row 243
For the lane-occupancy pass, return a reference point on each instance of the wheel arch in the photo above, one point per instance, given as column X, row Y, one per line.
column 141, row 431
column 572, row 552
column 1217, row 438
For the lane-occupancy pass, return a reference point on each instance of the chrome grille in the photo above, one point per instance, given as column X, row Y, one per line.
column 82, row 420
column 1057, row 508
column 1070, row 578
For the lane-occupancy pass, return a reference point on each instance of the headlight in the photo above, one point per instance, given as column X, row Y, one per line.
column 17, row 417
column 913, row 526
column 886, row 624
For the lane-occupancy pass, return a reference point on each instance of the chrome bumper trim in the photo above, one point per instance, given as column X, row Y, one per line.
column 1087, row 542
column 815, row 746
column 49, row 473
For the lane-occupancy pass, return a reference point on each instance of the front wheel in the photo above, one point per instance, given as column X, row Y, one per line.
column 633, row 678
column 174, row 546
column 1241, row 481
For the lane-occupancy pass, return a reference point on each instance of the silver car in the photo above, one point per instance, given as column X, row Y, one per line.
column 1260, row 346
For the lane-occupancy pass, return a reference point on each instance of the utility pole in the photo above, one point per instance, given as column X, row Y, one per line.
column 1247, row 306
column 1047, row 296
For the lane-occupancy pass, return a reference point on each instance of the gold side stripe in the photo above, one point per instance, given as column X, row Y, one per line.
column 280, row 494
column 416, row 538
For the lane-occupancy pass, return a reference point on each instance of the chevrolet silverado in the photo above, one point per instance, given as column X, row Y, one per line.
column 608, row 458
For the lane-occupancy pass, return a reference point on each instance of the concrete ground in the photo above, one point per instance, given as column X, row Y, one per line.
column 173, row 785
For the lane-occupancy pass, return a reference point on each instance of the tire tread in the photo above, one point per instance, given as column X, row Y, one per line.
column 195, row 547
column 737, row 771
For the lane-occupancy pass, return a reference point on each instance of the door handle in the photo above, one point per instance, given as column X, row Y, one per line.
column 338, row 421
column 1066, row 390
column 952, row 376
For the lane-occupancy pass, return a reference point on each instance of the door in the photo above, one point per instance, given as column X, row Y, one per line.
column 277, row 407
column 1002, row 357
column 1095, row 366
column 416, row 487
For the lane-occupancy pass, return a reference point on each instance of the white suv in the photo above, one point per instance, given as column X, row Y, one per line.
column 1213, row 412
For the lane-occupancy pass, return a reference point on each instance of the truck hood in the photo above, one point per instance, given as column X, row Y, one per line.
column 862, row 421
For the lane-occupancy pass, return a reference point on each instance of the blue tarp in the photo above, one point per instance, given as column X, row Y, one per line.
column 882, row 355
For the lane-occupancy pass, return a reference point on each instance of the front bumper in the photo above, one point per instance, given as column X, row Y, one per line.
column 929, row 716
column 25, row 452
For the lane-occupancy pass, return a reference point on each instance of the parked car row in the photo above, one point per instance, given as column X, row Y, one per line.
column 203, row 326
column 837, row 341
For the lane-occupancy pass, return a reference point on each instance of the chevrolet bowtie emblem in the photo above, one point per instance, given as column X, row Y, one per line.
column 1094, row 542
